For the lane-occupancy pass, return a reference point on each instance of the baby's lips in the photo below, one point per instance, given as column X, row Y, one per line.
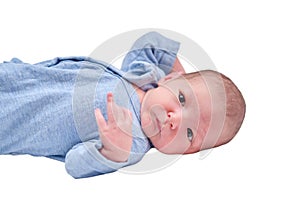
column 148, row 126
column 159, row 113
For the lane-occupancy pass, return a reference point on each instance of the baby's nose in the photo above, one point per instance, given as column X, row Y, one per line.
column 172, row 120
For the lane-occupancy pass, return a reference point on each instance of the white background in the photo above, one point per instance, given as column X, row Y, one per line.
column 256, row 43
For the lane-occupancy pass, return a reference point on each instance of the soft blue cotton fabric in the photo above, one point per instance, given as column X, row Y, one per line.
column 47, row 109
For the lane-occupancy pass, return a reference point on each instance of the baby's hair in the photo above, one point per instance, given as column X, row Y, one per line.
column 220, row 85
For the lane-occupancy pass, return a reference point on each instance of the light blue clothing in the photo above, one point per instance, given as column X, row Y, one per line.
column 47, row 109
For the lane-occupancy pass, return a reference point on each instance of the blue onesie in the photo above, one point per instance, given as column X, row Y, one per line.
column 47, row 109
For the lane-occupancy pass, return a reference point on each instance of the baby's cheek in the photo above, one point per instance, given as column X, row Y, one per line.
column 145, row 120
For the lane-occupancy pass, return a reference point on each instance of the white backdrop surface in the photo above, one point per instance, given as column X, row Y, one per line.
column 255, row 43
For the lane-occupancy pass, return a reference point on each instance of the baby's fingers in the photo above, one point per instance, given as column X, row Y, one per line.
column 100, row 120
column 110, row 108
column 117, row 115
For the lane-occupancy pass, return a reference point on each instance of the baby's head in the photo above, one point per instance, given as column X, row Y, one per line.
column 187, row 113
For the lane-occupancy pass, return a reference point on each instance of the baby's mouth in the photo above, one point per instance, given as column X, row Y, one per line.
column 153, row 122
column 158, row 124
column 160, row 118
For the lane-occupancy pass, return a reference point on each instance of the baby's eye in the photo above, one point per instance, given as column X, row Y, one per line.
column 190, row 134
column 181, row 98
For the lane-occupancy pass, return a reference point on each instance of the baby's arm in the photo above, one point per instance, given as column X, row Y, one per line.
column 84, row 160
column 151, row 58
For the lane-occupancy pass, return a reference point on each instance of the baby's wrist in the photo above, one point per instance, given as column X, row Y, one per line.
column 113, row 156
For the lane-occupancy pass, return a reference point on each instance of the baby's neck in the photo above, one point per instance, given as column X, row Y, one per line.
column 140, row 93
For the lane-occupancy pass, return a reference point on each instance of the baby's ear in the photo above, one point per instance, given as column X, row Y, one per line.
column 172, row 75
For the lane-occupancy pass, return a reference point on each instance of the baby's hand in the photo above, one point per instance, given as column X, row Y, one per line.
column 116, row 133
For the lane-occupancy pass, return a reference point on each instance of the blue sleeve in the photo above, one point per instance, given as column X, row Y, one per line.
column 84, row 160
column 150, row 59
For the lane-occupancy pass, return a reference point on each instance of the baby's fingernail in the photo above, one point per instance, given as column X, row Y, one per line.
column 109, row 96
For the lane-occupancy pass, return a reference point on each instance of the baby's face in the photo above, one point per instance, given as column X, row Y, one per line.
column 170, row 116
